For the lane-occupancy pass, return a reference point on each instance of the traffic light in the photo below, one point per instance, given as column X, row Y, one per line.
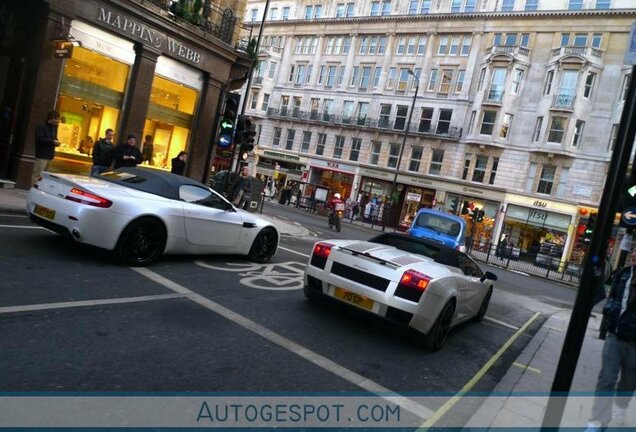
column 228, row 121
column 465, row 209
column 245, row 133
column 480, row 215
column 589, row 228
column 453, row 205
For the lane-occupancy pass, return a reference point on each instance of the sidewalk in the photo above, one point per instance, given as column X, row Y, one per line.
column 519, row 398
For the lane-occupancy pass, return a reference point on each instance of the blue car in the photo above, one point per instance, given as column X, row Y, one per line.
column 444, row 228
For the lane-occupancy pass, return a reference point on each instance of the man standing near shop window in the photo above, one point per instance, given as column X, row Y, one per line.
column 127, row 154
column 103, row 153
column 45, row 143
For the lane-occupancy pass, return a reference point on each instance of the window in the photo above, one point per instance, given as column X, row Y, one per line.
column 421, row 45
column 496, row 39
column 537, row 129
column 375, row 8
column 416, row 158
column 417, row 73
column 339, row 145
column 613, row 138
column 363, row 111
column 626, row 80
column 497, row 84
column 426, row 116
column 445, row 82
column 479, row 172
column 563, row 181
column 253, row 14
column 304, row 144
column 548, row 83
column 482, row 76
column 456, row 6
column 273, row 14
column 286, row 12
column 525, row 39
column 201, row 196
column 506, row 124
column 459, row 84
column 454, row 46
column 603, row 4
column 376, row 149
column 530, row 178
column 403, row 80
column 567, row 88
column 532, row 5
column 467, row 159
column 580, row 39
column 437, row 159
column 347, row 111
column 517, row 76
column 392, row 78
column 291, row 134
column 472, row 121
column 272, row 70
column 276, row 137
column 493, row 170
column 354, row 76
column 507, row 5
column 511, row 39
column 376, row 76
column 443, row 124
column 320, row 144
column 466, row 43
column 432, row 82
column 565, row 39
column 394, row 151
column 575, row 5
column 419, row 7
column 331, row 76
column 578, row 133
column 385, row 113
column 356, row 143
column 469, row 7
column 557, row 129
column 597, row 38
column 487, row 122
column 443, row 45
column 400, row 117
column 254, row 102
column 546, row 181
column 589, row 84
column 265, row 104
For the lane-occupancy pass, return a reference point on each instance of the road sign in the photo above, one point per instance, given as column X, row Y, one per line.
column 629, row 216
column 630, row 55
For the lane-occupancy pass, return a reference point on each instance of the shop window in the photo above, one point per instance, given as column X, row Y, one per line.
column 376, row 149
column 546, row 181
column 426, row 116
column 394, row 151
column 493, row 170
column 356, row 143
column 416, row 158
column 304, row 146
column 276, row 137
column 320, row 144
column 90, row 99
column 437, row 160
column 291, row 134
column 338, row 146
column 479, row 172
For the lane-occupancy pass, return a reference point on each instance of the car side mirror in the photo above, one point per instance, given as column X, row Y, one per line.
column 488, row 275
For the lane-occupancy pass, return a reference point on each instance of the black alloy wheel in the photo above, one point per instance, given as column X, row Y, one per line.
column 264, row 246
column 484, row 306
column 142, row 242
column 436, row 338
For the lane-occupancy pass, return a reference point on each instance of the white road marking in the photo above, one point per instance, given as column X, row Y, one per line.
column 290, row 345
column 81, row 303
column 22, row 227
column 505, row 324
column 13, row 215
column 293, row 251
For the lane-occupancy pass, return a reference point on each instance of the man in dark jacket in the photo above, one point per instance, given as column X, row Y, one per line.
column 619, row 352
column 45, row 143
column 103, row 153
column 127, row 154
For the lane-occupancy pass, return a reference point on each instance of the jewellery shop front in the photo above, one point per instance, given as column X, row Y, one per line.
column 133, row 70
column 540, row 229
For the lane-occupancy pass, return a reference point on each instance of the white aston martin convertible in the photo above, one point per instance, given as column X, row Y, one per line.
column 407, row 280
column 142, row 213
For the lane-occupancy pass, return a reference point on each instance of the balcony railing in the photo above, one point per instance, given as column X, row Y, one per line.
column 510, row 49
column 220, row 23
column 577, row 50
column 563, row 101
column 441, row 129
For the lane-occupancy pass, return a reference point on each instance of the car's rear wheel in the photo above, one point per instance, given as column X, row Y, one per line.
column 264, row 246
column 142, row 242
column 436, row 337
column 484, row 306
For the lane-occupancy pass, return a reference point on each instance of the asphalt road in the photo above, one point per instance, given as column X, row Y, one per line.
column 73, row 319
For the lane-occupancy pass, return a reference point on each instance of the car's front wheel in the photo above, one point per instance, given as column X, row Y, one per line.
column 436, row 337
column 142, row 242
column 264, row 246
column 484, row 306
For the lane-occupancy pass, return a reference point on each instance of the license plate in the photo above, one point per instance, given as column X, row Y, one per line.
column 44, row 212
column 353, row 298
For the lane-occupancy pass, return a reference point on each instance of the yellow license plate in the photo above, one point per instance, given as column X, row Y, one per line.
column 46, row 213
column 353, row 298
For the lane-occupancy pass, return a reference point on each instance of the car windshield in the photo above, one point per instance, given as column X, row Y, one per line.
column 438, row 223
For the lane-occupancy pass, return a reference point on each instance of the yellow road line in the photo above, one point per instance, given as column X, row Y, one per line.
column 530, row 368
column 475, row 379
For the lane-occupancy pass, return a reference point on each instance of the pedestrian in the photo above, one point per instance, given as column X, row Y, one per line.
column 502, row 247
column 299, row 195
column 45, row 143
column 619, row 352
column 179, row 163
column 103, row 153
column 242, row 188
column 127, row 154
column 147, row 150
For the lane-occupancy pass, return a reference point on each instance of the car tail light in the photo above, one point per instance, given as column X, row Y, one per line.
column 412, row 285
column 320, row 254
column 84, row 197
column 38, row 179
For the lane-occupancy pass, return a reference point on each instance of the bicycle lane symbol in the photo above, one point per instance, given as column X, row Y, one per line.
column 286, row 276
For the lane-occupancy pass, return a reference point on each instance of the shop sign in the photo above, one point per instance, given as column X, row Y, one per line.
column 417, row 181
column 148, row 35
column 281, row 156
column 413, row 197
column 63, row 49
column 542, row 204
column 473, row 191
column 375, row 173
column 333, row 166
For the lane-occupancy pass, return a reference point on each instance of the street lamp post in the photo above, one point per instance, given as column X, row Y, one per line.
column 406, row 134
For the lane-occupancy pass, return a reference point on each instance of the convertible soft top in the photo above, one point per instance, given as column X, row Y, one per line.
column 150, row 180
column 421, row 246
